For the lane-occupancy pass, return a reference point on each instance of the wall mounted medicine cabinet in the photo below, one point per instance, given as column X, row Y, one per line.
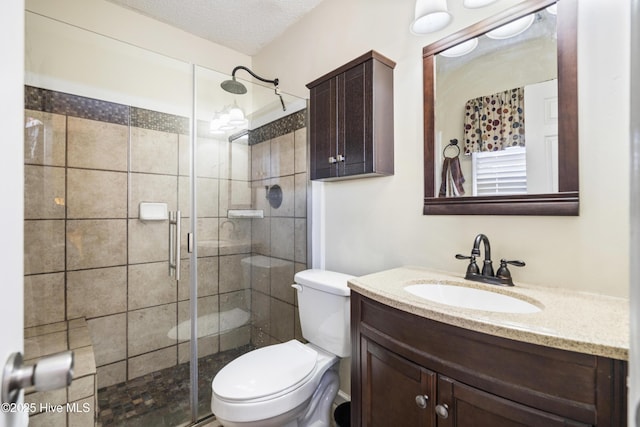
column 351, row 120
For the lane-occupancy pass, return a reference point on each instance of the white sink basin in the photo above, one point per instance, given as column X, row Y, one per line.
column 476, row 299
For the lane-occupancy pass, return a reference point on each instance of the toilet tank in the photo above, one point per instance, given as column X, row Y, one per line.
column 324, row 305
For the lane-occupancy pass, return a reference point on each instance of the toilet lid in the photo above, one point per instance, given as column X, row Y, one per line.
column 265, row 371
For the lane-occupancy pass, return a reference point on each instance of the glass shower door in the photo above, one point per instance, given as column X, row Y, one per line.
column 250, row 175
column 220, row 183
column 107, row 157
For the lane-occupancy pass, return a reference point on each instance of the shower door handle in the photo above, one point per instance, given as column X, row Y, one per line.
column 174, row 244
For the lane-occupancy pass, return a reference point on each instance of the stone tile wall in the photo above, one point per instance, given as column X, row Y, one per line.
column 88, row 255
column 278, row 157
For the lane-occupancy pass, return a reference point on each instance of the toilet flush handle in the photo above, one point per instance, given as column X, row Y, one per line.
column 297, row 287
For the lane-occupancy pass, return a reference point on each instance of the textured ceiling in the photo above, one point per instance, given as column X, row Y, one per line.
column 242, row 25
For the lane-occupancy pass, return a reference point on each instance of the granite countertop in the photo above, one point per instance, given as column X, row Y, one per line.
column 568, row 320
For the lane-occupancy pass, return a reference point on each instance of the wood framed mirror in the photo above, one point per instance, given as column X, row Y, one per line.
column 560, row 196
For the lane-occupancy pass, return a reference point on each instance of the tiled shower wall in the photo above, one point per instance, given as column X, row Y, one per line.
column 279, row 240
column 88, row 255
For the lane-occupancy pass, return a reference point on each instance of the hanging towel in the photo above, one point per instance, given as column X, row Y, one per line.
column 452, row 178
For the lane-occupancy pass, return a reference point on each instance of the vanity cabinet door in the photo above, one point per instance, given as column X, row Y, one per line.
column 459, row 405
column 395, row 391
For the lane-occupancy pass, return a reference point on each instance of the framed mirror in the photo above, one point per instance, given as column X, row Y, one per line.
column 501, row 115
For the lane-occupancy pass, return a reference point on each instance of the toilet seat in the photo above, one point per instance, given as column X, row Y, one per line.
column 229, row 399
column 266, row 373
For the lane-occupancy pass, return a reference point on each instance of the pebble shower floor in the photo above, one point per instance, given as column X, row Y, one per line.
column 161, row 398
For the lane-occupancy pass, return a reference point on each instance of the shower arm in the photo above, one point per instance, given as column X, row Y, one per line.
column 275, row 81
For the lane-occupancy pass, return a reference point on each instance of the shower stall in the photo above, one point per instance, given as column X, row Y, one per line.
column 164, row 221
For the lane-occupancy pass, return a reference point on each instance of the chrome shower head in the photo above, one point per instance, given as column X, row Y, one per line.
column 233, row 86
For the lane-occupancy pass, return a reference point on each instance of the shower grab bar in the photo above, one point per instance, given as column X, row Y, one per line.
column 174, row 244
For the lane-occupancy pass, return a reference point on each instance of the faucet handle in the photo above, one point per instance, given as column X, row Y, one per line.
column 473, row 267
column 504, row 272
column 514, row 262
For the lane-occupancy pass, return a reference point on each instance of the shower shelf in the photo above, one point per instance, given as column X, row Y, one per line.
column 245, row 213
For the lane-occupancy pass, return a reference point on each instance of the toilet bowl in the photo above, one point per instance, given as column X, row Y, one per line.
column 291, row 384
column 265, row 387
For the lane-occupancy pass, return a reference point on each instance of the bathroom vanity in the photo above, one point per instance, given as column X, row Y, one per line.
column 420, row 363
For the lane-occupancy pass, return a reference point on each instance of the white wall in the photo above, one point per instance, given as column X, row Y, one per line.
column 120, row 23
column 98, row 49
column 377, row 223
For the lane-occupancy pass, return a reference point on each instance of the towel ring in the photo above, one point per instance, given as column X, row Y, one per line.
column 453, row 144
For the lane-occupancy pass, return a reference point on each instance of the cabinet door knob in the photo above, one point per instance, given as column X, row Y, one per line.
column 421, row 400
column 442, row 410
column 332, row 160
column 341, row 158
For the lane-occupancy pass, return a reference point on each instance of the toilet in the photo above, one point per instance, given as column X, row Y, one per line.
column 291, row 384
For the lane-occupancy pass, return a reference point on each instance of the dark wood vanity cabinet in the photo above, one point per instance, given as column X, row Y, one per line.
column 412, row 371
column 397, row 382
column 351, row 120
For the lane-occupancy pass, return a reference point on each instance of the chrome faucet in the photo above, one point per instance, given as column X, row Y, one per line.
column 502, row 277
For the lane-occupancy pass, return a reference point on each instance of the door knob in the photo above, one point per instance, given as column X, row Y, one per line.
column 49, row 373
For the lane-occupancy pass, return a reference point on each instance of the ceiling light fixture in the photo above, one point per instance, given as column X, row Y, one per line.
column 474, row 4
column 461, row 49
column 228, row 119
column 512, row 29
column 214, row 127
column 236, row 115
column 430, row 16
column 433, row 15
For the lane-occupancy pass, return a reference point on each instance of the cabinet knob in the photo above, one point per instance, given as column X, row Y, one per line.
column 341, row 158
column 442, row 410
column 332, row 160
column 421, row 400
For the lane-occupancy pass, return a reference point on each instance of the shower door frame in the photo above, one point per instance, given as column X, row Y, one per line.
column 192, row 248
